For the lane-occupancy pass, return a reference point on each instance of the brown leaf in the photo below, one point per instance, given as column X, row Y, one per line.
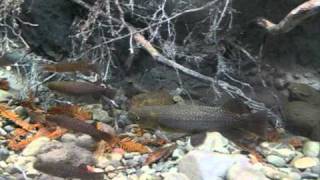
column 4, row 84
column 72, row 111
column 131, row 146
column 161, row 153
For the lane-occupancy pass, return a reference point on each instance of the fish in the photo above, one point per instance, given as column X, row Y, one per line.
column 194, row 118
column 75, row 88
column 83, row 67
column 80, row 126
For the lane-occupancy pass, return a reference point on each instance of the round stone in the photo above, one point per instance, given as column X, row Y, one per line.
column 276, row 160
column 311, row 149
column 4, row 153
column 305, row 162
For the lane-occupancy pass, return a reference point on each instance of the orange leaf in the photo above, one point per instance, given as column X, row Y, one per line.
column 7, row 113
column 4, row 84
column 162, row 153
column 130, row 146
column 72, row 111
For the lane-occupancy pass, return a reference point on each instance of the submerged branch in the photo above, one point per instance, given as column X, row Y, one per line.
column 293, row 19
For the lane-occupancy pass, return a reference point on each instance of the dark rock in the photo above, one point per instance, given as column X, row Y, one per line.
column 54, row 19
column 65, row 160
column 303, row 92
column 303, row 118
column 4, row 153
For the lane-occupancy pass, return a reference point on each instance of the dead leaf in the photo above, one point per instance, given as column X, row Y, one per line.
column 12, row 116
column 161, row 153
column 72, row 111
column 131, row 146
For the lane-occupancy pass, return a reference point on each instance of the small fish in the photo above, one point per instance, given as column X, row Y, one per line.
column 80, row 126
column 80, row 88
column 83, row 67
column 67, row 170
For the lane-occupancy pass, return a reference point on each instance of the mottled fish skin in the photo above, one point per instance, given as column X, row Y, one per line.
column 80, row 88
column 190, row 118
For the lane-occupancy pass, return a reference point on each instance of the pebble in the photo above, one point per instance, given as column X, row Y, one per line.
column 147, row 170
column 177, row 153
column 3, row 132
column 34, row 147
column 214, row 141
column 276, row 160
column 68, row 137
column 4, row 153
column 316, row 169
column 207, row 165
column 8, row 128
column 147, row 176
column 102, row 162
column 3, row 165
column 305, row 162
column 311, row 149
column 86, row 141
column 240, row 172
column 131, row 155
column 174, row 176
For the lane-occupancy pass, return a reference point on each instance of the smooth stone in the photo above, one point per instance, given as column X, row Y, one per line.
column 276, row 160
column 115, row 156
column 311, row 148
column 86, row 141
column 26, row 163
column 147, row 176
column 34, row 147
column 316, row 169
column 3, row 165
column 130, row 155
column 120, row 176
column 133, row 177
column 147, row 170
column 3, row 132
column 174, row 176
column 207, row 165
column 305, row 162
column 102, row 162
column 4, row 153
column 214, row 141
column 240, row 172
column 68, row 137
column 9, row 128
column 177, row 153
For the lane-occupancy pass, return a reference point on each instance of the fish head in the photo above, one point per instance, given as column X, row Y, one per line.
column 145, row 122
